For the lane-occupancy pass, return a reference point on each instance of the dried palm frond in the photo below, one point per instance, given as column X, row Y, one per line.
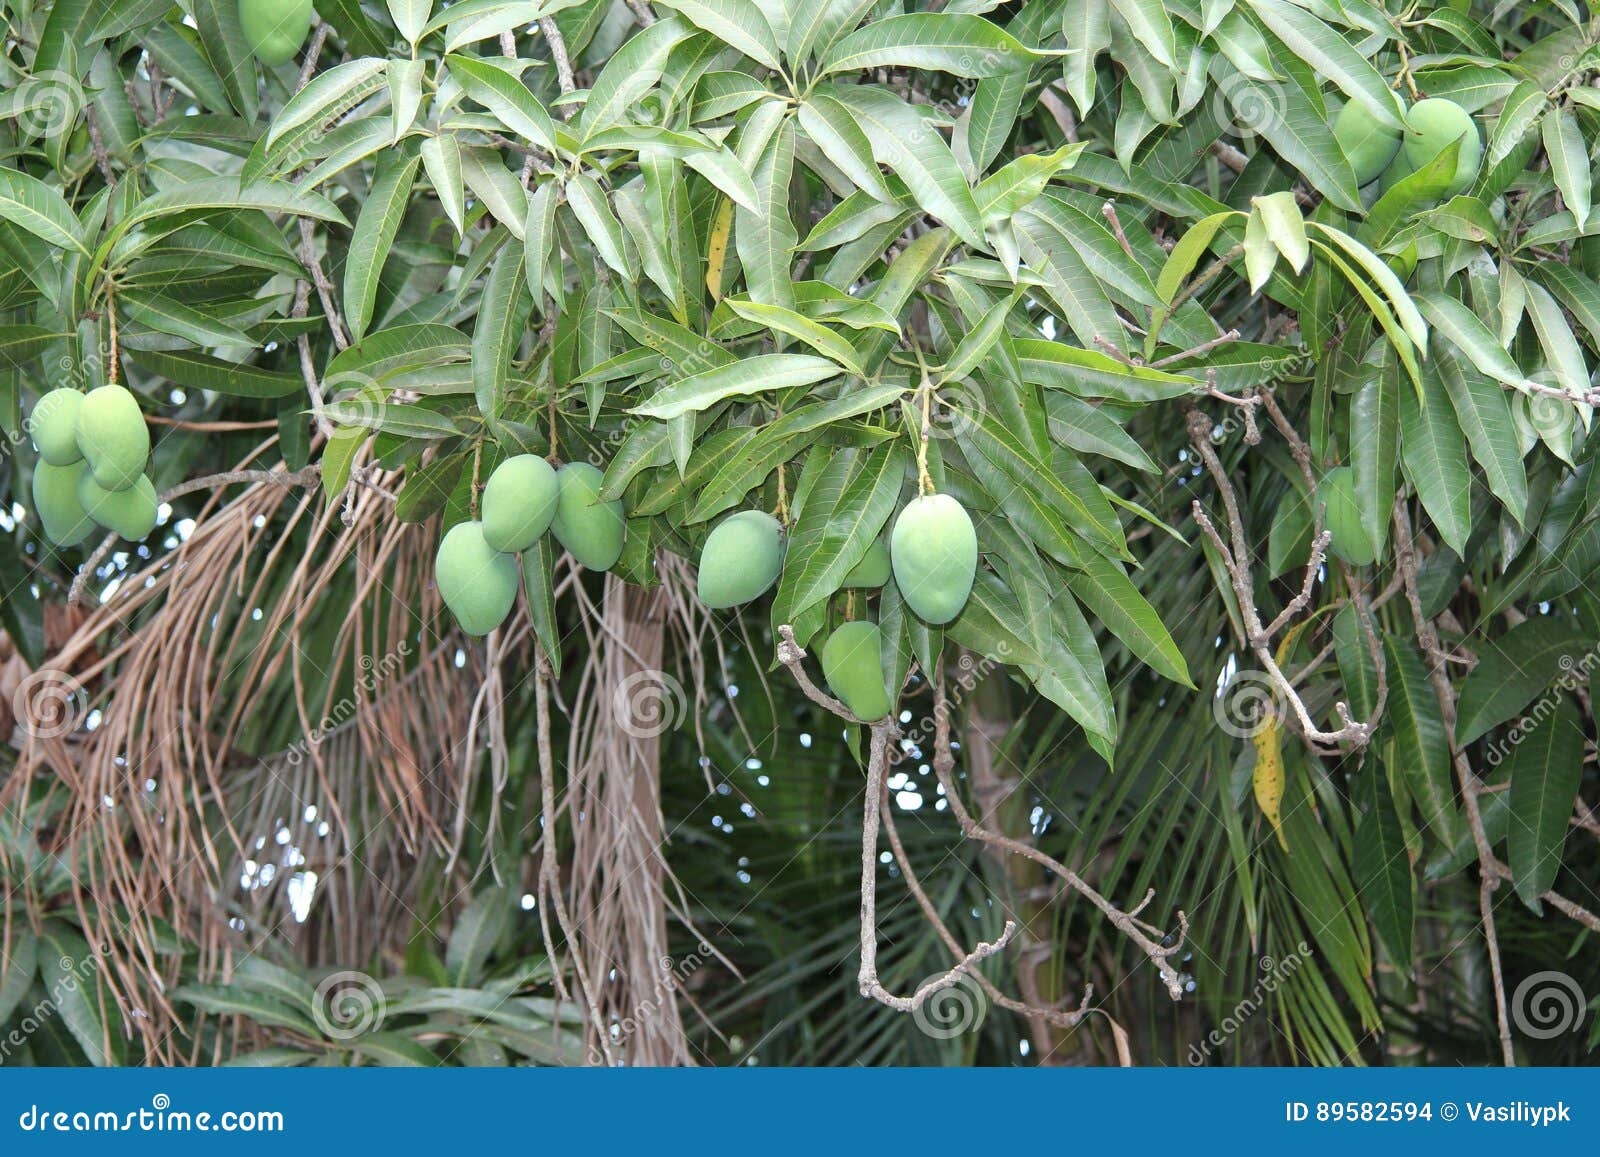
column 275, row 620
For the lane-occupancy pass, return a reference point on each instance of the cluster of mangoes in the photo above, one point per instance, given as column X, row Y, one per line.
column 92, row 453
column 274, row 29
column 476, row 567
column 1385, row 155
column 932, row 552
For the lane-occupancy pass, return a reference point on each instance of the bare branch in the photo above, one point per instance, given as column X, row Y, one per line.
column 867, row 978
column 1160, row 954
column 1236, row 561
column 790, row 654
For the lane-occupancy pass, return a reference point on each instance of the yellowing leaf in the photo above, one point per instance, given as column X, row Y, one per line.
column 1268, row 777
column 717, row 247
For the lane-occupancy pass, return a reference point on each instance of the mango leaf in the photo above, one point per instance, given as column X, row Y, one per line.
column 376, row 227
column 750, row 376
column 323, row 94
column 739, row 22
column 1434, row 454
column 1484, row 416
column 1546, row 767
column 1382, row 869
column 502, row 319
column 1515, row 667
column 1116, row 602
column 32, row 205
column 957, row 43
column 1421, row 748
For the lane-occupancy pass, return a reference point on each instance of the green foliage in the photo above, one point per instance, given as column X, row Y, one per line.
column 835, row 260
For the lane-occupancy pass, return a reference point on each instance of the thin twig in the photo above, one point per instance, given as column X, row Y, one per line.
column 1235, row 557
column 867, row 976
column 309, row 476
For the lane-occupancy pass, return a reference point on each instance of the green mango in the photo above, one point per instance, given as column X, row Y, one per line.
column 1431, row 126
column 1341, row 517
column 872, row 570
column 113, row 437
column 740, row 560
column 477, row 582
column 591, row 530
column 519, row 503
column 55, row 498
column 852, row 662
column 1367, row 143
column 275, row 29
column 934, row 550
column 131, row 512
column 54, row 426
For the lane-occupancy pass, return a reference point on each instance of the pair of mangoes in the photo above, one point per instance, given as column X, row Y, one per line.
column 476, row 568
column 92, row 453
column 274, row 29
column 933, row 552
column 1376, row 151
column 743, row 557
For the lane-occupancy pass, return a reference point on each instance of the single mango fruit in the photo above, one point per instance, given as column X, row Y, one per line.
column 55, row 498
column 591, row 530
column 519, row 503
column 1431, row 126
column 54, row 426
column 852, row 663
column 872, row 570
column 113, row 437
column 477, row 582
column 131, row 512
column 740, row 560
column 934, row 550
column 274, row 29
column 1367, row 143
